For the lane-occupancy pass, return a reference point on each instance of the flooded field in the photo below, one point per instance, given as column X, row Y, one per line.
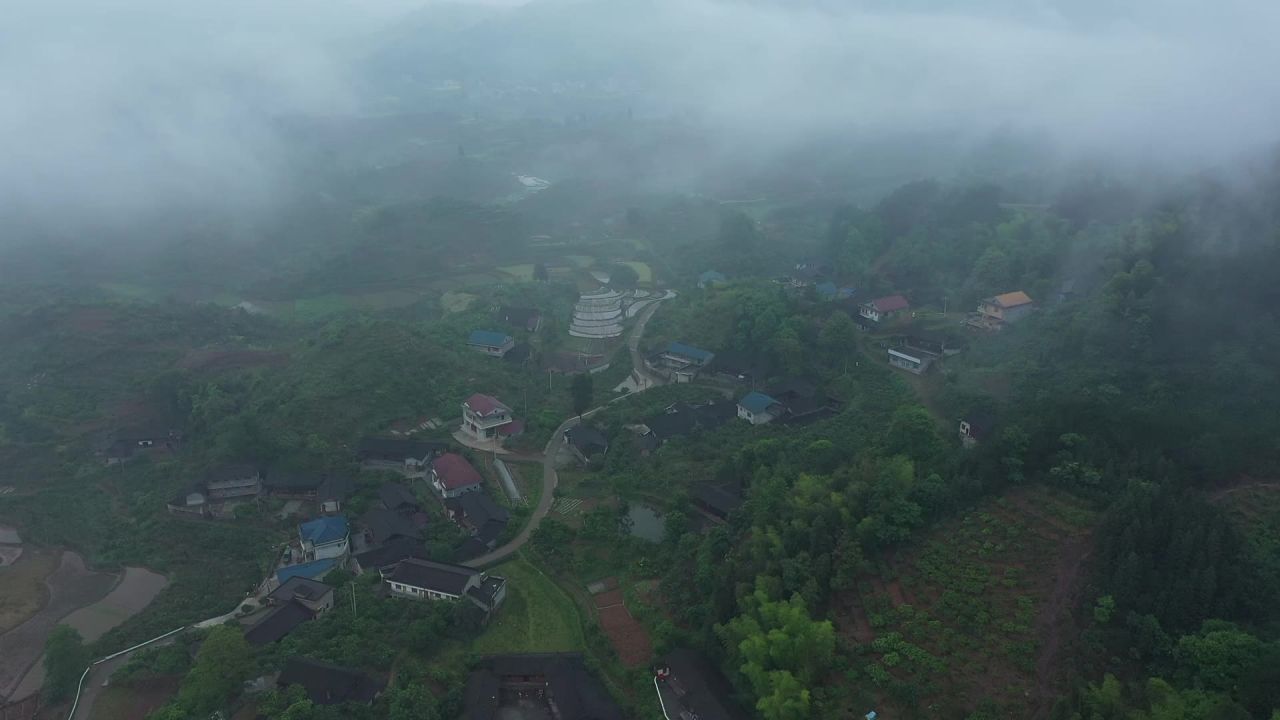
column 69, row 587
column 90, row 602
column 647, row 523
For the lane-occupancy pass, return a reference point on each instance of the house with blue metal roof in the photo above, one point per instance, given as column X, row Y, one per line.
column 313, row 570
column 680, row 362
column 758, row 408
column 324, row 537
column 493, row 344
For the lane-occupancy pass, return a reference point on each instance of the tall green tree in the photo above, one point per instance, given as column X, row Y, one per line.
column 582, row 389
column 65, row 659
column 223, row 663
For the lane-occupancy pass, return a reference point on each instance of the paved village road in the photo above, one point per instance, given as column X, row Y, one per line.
column 549, row 476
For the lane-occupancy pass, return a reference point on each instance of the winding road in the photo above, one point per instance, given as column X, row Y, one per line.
column 550, row 478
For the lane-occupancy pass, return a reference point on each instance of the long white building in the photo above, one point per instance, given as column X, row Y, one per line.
column 598, row 315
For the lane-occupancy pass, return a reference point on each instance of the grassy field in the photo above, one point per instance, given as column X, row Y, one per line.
column 453, row 302
column 980, row 610
column 536, row 617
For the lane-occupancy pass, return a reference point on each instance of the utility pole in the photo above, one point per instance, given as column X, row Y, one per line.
column 354, row 614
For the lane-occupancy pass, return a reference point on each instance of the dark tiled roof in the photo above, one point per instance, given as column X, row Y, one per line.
column 715, row 413
column 387, row 525
column 293, row 480
column 697, row 687
column 278, row 623
column 472, row 547
column 587, row 439
column 523, row 317
column 430, row 575
column 479, row 508
column 226, row 473
column 336, row 487
column 676, row 423
column 327, row 684
column 398, row 449
column 392, row 552
column 722, row 499
column 397, row 497
column 577, row 694
column 791, row 388
column 300, row 587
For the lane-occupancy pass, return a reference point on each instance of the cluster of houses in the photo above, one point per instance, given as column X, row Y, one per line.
column 791, row 401
column 388, row 538
column 501, row 344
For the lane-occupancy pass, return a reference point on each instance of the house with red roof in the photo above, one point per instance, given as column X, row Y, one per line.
column 882, row 309
column 486, row 419
column 451, row 475
column 994, row 312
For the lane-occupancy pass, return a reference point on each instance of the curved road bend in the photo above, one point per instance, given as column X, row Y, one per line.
column 549, row 476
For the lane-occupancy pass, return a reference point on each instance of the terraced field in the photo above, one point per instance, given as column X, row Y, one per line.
column 982, row 610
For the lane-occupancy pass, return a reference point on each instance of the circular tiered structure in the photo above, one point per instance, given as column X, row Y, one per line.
column 597, row 315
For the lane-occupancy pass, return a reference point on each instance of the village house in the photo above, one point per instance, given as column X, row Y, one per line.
column 326, row 684
column 399, row 498
column 387, row 556
column 324, row 538
column 402, row 454
column 493, row 344
column 429, row 580
column 311, row 569
column 382, row 525
column 718, row 500
column 192, row 501
column 741, row 366
column 914, row 364
column 758, row 408
column 801, row 401
column 479, row 515
column 974, row 428
column 681, row 419
column 994, row 312
column 525, row 318
column 294, row 602
column 680, row 362
column 486, row 419
column 690, row 686
column 556, row 685
column 327, row 491
column 585, row 442
column 883, row 308
column 232, row 481
column 451, row 476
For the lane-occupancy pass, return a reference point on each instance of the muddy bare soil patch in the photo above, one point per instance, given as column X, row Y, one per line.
column 71, row 586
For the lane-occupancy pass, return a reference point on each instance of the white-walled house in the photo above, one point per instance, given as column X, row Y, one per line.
column 758, row 408
column 429, row 580
column 325, row 537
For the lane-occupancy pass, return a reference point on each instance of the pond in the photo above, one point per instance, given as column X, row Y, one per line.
column 647, row 522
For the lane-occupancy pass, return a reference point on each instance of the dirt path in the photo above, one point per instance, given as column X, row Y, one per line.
column 1054, row 623
column 71, row 586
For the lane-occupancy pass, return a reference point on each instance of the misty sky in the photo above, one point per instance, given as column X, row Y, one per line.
column 122, row 104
